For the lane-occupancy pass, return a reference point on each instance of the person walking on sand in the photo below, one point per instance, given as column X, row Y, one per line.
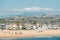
column 20, row 32
column 15, row 32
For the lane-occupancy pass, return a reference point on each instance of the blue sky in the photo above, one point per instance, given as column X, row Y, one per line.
column 9, row 4
column 20, row 4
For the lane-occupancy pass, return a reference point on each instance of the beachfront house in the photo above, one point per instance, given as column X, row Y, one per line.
column 2, row 26
column 44, row 26
column 59, row 26
column 30, row 26
column 54, row 26
column 8, row 26
column 11, row 26
column 49, row 26
column 14, row 26
column 41, row 26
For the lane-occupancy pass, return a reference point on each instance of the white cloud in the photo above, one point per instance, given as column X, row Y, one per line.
column 48, row 9
column 33, row 9
column 29, row 9
column 37, row 9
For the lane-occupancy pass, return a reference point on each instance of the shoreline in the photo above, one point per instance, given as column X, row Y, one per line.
column 28, row 33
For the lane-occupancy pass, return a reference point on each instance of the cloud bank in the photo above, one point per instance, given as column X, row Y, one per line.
column 37, row 9
column 30, row 9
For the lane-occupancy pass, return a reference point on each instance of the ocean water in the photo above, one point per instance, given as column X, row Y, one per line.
column 33, row 38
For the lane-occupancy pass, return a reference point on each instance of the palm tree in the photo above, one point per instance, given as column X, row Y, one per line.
column 23, row 20
column 17, row 23
column 51, row 21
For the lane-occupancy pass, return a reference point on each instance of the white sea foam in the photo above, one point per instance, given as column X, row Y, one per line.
column 7, row 38
column 44, row 36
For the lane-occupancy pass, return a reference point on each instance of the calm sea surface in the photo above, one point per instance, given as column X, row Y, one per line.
column 33, row 38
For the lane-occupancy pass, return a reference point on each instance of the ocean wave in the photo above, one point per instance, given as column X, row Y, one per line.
column 7, row 38
column 44, row 36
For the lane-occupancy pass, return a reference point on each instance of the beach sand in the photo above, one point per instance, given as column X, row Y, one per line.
column 28, row 33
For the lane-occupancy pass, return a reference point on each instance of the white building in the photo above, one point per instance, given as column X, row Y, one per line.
column 49, row 26
column 13, row 26
column 44, row 26
column 55, row 26
column 30, row 26
column 2, row 26
column 41, row 26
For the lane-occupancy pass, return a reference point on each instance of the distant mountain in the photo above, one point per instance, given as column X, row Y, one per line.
column 38, row 13
column 31, row 13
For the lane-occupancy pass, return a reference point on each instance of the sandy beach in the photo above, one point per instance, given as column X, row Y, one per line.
column 28, row 33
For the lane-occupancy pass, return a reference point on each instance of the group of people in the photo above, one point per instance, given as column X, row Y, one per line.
column 13, row 32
